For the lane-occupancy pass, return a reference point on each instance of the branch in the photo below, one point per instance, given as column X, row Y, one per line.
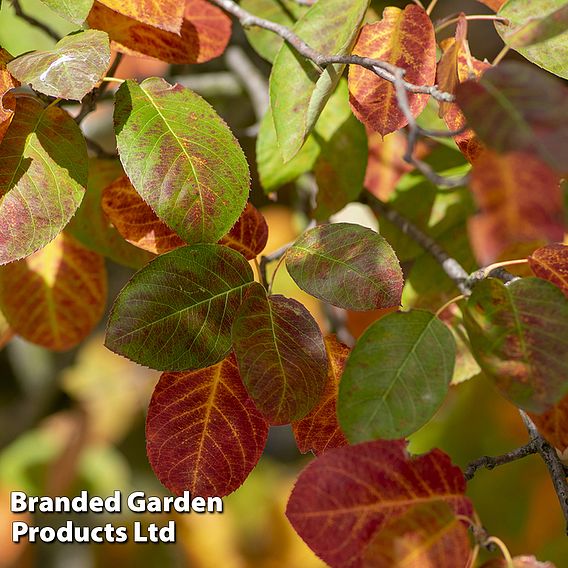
column 36, row 23
column 489, row 462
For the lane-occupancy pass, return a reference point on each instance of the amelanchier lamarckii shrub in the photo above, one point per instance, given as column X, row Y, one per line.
column 460, row 160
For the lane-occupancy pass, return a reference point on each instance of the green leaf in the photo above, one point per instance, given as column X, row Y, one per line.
column 43, row 175
column 346, row 265
column 281, row 355
column 515, row 106
column 283, row 12
column 519, row 336
column 70, row 70
column 176, row 313
column 181, row 158
column 298, row 89
column 396, row 376
column 538, row 29
column 92, row 228
column 75, row 11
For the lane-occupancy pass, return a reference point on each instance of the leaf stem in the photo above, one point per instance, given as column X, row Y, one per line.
column 450, row 20
column 280, row 261
column 501, row 55
column 431, row 7
column 503, row 548
column 448, row 304
column 488, row 269
column 112, row 80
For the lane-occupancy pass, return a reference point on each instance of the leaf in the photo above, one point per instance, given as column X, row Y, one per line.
column 56, row 296
column 176, row 312
column 75, row 11
column 551, row 263
column 249, row 234
column 396, row 377
column 346, row 265
column 204, row 34
column 340, row 167
column 518, row 562
column 283, row 12
column 203, row 432
column 7, row 100
column 345, row 496
column 281, row 355
column 298, row 90
column 553, row 424
column 404, row 38
column 520, row 201
column 70, row 70
column 90, row 225
column 43, row 175
column 135, row 220
column 319, row 431
column 538, row 29
column 518, row 334
column 164, row 14
column 6, row 332
column 181, row 158
column 516, row 107
column 425, row 535
column 493, row 4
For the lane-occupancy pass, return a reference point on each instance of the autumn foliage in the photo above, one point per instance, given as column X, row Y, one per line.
column 465, row 174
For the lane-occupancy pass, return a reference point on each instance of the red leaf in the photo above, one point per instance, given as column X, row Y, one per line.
column 551, row 263
column 204, row 34
column 553, row 424
column 520, row 201
column 346, row 495
column 56, row 296
column 319, row 430
column 7, row 100
column 426, row 535
column 404, row 38
column 203, row 432
column 249, row 234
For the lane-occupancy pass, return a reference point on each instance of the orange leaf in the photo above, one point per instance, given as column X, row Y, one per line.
column 6, row 332
column 456, row 65
column 7, row 100
column 164, row 14
column 319, row 430
column 553, row 424
column 551, row 263
column 520, row 201
column 204, row 34
column 426, row 535
column 404, row 38
column 493, row 4
column 134, row 219
column 249, row 234
column 203, row 432
column 56, row 296
column 343, row 497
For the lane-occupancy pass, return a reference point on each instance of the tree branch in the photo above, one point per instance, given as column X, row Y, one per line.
column 36, row 23
column 489, row 462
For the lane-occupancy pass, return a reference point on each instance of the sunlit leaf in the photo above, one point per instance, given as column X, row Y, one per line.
column 553, row 424
column 345, row 496
column 519, row 336
column 396, row 377
column 249, row 234
column 517, row 107
column 56, row 296
column 176, row 312
column 551, row 263
column 43, row 175
column 520, row 201
column 92, row 228
column 134, row 219
column 298, row 89
column 163, row 14
column 7, row 100
column 319, row 431
column 538, row 29
column 203, row 432
column 283, row 12
column 346, row 265
column 75, row 11
column 404, row 38
column 204, row 34
column 70, row 70
column 181, row 158
column 427, row 534
column 281, row 355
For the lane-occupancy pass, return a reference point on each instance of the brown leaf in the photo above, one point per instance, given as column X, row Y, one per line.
column 553, row 424
column 249, row 234
column 551, row 263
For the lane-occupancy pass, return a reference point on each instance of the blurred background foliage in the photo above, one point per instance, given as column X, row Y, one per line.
column 75, row 420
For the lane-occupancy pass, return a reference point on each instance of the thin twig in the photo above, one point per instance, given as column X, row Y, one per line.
column 36, row 23
column 453, row 19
